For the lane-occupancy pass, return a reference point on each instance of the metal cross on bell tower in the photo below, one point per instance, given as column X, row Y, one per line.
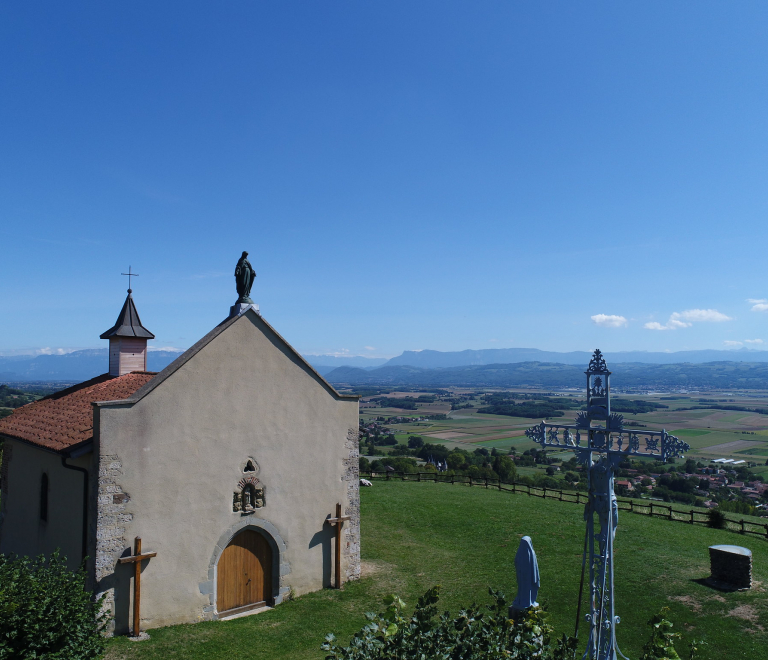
column 600, row 442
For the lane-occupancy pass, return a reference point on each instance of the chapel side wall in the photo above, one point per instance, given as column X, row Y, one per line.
column 171, row 462
column 22, row 531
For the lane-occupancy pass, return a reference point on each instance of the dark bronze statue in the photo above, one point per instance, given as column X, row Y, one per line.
column 244, row 276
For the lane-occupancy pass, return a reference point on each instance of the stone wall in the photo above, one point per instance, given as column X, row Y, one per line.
column 111, row 520
column 351, row 529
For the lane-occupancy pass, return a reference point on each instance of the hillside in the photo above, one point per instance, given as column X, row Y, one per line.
column 712, row 375
column 417, row 535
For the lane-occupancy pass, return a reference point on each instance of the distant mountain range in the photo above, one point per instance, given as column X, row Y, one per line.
column 81, row 365
column 706, row 376
column 327, row 363
column 76, row 366
column 434, row 359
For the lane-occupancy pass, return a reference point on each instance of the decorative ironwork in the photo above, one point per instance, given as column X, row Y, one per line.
column 597, row 364
column 607, row 444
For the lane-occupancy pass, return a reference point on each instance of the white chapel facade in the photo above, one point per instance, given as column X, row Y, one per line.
column 228, row 464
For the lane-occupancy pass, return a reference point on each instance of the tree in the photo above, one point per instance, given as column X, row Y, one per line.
column 415, row 441
column 455, row 460
column 504, row 466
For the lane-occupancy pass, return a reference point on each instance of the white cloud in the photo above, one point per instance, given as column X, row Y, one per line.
column 609, row 320
column 53, row 351
column 758, row 304
column 733, row 344
column 753, row 341
column 687, row 318
column 369, row 348
column 172, row 349
column 701, row 315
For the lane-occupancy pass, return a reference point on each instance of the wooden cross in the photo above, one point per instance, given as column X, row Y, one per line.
column 136, row 560
column 338, row 521
column 130, row 275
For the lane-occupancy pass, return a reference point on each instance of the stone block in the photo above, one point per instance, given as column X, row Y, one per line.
column 731, row 567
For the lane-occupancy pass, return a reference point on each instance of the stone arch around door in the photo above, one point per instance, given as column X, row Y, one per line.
column 280, row 567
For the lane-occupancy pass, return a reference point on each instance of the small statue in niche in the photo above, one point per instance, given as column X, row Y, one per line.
column 251, row 496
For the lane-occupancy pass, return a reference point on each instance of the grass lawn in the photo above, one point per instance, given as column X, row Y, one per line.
column 416, row 535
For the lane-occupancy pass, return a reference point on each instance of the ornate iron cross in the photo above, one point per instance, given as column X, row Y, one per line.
column 600, row 442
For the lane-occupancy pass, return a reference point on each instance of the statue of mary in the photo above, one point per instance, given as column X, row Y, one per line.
column 244, row 276
column 527, row 570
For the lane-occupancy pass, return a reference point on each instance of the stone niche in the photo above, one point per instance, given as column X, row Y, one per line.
column 731, row 567
column 250, row 495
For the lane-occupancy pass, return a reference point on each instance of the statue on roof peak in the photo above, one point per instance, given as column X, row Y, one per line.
column 244, row 276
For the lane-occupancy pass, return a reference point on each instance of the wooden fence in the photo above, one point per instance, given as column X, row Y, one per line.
column 643, row 507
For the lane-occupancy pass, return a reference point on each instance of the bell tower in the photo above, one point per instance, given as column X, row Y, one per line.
column 127, row 341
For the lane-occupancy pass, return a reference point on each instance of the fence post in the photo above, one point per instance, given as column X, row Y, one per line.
column 545, row 493
column 691, row 516
column 470, row 482
column 418, row 476
column 387, row 476
column 670, row 512
column 499, row 484
column 486, row 482
column 529, row 491
column 561, row 495
column 514, row 492
column 742, row 525
column 632, row 506
column 453, row 477
column 651, row 513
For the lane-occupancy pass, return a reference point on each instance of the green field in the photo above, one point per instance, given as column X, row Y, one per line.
column 416, row 535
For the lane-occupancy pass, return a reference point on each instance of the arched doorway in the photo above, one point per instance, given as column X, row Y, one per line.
column 244, row 573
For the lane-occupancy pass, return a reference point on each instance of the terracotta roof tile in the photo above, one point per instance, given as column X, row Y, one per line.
column 65, row 418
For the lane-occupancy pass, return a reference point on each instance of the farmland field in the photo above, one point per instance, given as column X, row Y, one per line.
column 711, row 432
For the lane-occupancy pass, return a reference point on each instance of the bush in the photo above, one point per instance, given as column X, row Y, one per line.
column 473, row 635
column 715, row 519
column 661, row 645
column 46, row 612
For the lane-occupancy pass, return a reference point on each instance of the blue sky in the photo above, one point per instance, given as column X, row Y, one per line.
column 405, row 175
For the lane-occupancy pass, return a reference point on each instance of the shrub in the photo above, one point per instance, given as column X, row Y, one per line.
column 661, row 645
column 46, row 612
column 715, row 519
column 473, row 635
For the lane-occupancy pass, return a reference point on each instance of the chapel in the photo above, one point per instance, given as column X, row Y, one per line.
column 236, row 466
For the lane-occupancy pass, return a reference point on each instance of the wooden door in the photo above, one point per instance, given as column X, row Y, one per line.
column 244, row 575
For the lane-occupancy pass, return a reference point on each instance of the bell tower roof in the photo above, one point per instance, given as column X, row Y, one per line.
column 128, row 323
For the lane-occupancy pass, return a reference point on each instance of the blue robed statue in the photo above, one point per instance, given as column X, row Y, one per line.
column 528, row 582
